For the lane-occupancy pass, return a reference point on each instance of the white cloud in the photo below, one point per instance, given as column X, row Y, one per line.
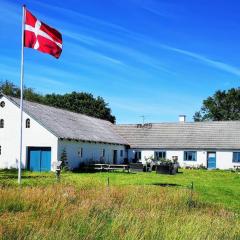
column 213, row 63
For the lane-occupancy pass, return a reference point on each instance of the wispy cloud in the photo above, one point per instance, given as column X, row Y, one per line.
column 127, row 53
column 213, row 63
column 159, row 8
column 97, row 45
column 167, row 10
column 8, row 9
column 80, row 17
column 117, row 44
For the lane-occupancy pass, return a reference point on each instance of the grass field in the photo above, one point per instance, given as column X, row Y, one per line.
column 134, row 206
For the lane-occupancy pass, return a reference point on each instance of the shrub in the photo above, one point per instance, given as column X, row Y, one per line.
column 64, row 160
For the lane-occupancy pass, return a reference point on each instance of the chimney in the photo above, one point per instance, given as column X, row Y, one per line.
column 182, row 118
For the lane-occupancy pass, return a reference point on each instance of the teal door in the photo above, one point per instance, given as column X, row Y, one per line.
column 211, row 160
column 45, row 160
column 39, row 159
column 34, row 160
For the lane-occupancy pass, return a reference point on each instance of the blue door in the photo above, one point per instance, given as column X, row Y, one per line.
column 211, row 160
column 39, row 159
column 34, row 160
column 45, row 160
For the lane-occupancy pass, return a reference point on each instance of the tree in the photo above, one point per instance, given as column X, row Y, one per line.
column 79, row 102
column 8, row 88
column 222, row 106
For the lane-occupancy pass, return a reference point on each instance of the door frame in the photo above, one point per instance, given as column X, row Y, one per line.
column 214, row 152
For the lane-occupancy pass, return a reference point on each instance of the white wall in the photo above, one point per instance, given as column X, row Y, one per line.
column 36, row 136
column 201, row 158
column 146, row 154
column 91, row 151
column 223, row 158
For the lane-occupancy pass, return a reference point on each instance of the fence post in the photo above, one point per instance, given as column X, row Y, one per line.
column 190, row 201
column 108, row 182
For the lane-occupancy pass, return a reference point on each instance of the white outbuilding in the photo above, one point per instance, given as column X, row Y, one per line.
column 49, row 132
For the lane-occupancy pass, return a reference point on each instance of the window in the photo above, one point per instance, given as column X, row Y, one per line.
column 236, row 157
column 1, row 123
column 0, row 150
column 80, row 152
column 103, row 152
column 27, row 123
column 160, row 155
column 2, row 104
column 121, row 153
column 138, row 156
column 190, row 156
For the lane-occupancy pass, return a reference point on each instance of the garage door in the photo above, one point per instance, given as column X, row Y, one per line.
column 39, row 159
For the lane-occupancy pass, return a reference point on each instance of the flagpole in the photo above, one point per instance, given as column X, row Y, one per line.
column 21, row 100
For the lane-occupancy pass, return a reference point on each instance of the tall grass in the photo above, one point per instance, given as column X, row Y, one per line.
column 66, row 211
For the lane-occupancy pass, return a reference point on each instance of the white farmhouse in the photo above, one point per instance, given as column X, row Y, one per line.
column 210, row 144
column 49, row 133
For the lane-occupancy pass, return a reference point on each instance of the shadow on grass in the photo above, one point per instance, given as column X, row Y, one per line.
column 23, row 177
column 103, row 171
column 166, row 184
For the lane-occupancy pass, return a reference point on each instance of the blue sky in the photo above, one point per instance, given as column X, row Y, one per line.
column 144, row 57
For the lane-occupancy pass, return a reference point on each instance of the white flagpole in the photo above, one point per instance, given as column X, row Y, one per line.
column 21, row 101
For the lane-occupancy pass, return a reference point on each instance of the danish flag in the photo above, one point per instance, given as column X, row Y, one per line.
column 40, row 36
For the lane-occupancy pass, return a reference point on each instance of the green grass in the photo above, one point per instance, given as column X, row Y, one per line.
column 216, row 187
column 135, row 206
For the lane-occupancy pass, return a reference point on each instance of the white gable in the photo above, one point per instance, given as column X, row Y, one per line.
column 36, row 135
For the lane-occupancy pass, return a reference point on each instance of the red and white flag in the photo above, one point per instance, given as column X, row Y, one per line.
column 40, row 36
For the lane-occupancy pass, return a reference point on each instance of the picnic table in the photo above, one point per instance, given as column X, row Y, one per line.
column 111, row 167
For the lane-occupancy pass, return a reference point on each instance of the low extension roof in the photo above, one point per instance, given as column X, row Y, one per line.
column 188, row 135
column 72, row 126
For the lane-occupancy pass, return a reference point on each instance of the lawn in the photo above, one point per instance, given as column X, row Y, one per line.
column 133, row 206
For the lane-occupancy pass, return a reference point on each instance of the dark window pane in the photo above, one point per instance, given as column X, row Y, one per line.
column 236, row 157
column 190, row 156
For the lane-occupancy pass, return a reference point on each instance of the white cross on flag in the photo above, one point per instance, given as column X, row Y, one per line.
column 40, row 36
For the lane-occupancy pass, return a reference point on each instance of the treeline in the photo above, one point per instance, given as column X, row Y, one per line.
column 79, row 102
column 222, row 106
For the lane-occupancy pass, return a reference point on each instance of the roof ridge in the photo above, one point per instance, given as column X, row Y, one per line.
column 58, row 108
column 69, row 125
column 181, row 123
